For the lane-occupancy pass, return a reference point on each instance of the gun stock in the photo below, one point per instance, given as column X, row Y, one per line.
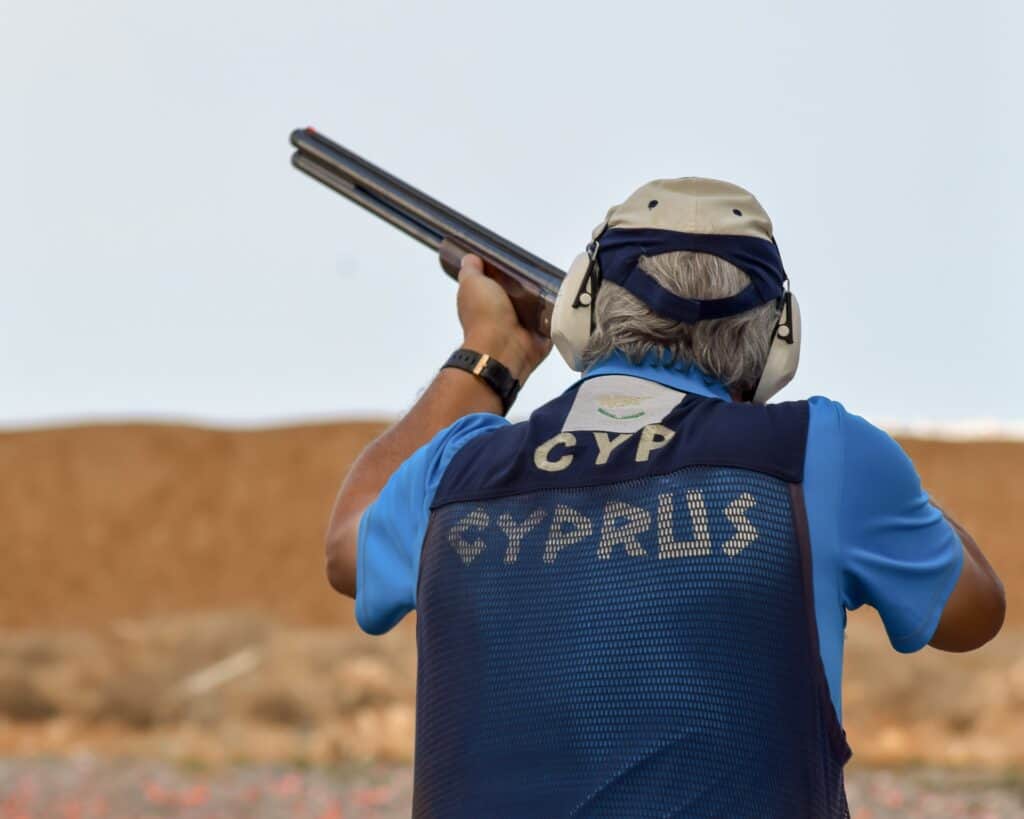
column 530, row 282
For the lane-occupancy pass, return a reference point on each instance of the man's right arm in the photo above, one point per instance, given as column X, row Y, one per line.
column 491, row 326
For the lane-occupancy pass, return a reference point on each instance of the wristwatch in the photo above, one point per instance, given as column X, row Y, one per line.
column 489, row 370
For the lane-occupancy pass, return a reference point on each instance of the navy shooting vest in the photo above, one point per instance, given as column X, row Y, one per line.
column 616, row 624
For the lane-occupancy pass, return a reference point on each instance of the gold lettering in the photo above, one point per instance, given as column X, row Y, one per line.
column 568, row 527
column 700, row 546
column 540, row 455
column 636, row 520
column 746, row 532
column 468, row 550
column 515, row 532
column 653, row 436
column 606, row 445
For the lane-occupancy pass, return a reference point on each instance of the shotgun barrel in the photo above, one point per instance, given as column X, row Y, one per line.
column 531, row 282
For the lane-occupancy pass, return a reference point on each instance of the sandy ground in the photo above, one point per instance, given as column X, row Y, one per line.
column 162, row 599
column 91, row 788
column 230, row 688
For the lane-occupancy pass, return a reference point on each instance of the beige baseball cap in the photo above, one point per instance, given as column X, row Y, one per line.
column 691, row 205
column 691, row 214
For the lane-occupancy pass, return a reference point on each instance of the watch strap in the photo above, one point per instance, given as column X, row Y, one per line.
column 489, row 370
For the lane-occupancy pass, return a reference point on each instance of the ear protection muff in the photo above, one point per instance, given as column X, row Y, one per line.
column 572, row 317
column 784, row 353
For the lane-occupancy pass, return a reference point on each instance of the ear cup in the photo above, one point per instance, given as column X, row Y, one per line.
column 570, row 317
column 784, row 354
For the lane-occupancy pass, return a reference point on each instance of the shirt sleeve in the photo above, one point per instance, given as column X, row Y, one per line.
column 897, row 551
column 392, row 528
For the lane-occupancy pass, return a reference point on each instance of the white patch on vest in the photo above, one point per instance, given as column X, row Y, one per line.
column 515, row 532
column 668, row 546
column 468, row 550
column 635, row 520
column 746, row 532
column 619, row 403
column 568, row 527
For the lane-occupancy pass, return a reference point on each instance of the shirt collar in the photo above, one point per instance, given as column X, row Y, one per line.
column 677, row 376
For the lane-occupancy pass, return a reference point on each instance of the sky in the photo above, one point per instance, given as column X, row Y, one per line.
column 161, row 260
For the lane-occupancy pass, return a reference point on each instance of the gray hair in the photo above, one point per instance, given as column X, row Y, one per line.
column 732, row 349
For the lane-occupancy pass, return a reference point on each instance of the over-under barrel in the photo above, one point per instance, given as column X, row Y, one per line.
column 531, row 282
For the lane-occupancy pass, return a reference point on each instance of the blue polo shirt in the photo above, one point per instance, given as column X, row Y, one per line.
column 876, row 539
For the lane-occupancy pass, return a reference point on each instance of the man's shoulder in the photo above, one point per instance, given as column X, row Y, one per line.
column 827, row 408
column 855, row 451
column 829, row 418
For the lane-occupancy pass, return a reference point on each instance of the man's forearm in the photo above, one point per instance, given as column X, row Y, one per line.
column 970, row 546
column 452, row 395
column 976, row 608
column 974, row 550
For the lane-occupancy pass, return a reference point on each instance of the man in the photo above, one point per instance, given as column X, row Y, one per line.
column 633, row 603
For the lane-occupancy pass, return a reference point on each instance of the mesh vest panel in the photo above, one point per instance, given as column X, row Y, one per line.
column 638, row 649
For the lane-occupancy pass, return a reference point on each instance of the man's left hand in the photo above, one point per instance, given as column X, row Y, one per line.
column 490, row 324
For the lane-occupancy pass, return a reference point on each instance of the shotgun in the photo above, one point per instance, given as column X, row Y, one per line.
column 530, row 282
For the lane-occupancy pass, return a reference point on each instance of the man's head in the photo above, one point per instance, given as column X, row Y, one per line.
column 732, row 349
column 687, row 270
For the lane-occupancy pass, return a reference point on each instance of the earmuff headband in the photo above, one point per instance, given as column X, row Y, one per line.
column 620, row 249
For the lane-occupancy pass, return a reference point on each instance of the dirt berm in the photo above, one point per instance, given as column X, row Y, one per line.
column 136, row 557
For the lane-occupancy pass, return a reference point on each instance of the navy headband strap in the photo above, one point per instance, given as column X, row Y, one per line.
column 620, row 249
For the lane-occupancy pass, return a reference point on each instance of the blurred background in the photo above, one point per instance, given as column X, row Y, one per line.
column 191, row 338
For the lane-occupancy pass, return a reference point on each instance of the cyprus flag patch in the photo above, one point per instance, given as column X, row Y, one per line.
column 620, row 403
